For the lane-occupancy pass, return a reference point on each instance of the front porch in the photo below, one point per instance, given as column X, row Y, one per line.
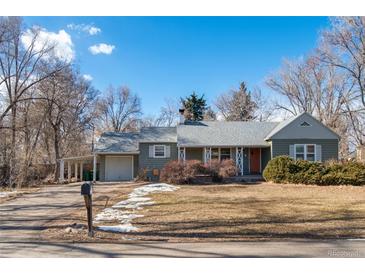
column 249, row 160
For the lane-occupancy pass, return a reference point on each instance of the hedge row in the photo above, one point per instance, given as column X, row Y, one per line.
column 186, row 172
column 283, row 169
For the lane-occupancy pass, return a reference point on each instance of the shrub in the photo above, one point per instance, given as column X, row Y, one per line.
column 220, row 169
column 346, row 173
column 182, row 172
column 283, row 169
column 278, row 169
column 227, row 169
column 142, row 175
column 305, row 172
column 195, row 167
column 174, row 172
column 179, row 172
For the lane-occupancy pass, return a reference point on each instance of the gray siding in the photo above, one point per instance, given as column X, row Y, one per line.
column 101, row 160
column 265, row 157
column 329, row 147
column 316, row 130
column 145, row 162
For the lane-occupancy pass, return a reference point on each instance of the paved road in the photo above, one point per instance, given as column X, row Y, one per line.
column 285, row 249
column 23, row 219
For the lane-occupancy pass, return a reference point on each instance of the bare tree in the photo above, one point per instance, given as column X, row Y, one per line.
column 120, row 110
column 237, row 105
column 310, row 86
column 169, row 113
column 20, row 70
column 69, row 112
column 209, row 114
column 343, row 46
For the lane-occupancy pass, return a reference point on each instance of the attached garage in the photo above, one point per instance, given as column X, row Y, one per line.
column 118, row 168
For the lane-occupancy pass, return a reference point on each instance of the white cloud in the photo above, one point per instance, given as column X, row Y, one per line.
column 101, row 48
column 87, row 28
column 87, row 77
column 61, row 42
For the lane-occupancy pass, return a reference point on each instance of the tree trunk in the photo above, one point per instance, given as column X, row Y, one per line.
column 56, row 145
column 12, row 162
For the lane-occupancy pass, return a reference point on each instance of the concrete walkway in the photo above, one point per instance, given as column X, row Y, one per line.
column 23, row 219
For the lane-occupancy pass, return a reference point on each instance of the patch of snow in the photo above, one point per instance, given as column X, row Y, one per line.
column 118, row 228
column 110, row 214
column 152, row 188
column 135, row 201
column 7, row 193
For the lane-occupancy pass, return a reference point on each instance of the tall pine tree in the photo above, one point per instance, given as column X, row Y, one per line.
column 195, row 107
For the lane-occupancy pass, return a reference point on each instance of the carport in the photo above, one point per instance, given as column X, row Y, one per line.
column 75, row 167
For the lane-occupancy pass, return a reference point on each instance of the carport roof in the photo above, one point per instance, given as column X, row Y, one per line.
column 122, row 142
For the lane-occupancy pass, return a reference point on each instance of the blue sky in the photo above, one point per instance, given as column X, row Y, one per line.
column 169, row 57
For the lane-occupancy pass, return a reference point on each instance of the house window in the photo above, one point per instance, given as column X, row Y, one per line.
column 305, row 152
column 215, row 153
column 159, row 151
column 225, row 153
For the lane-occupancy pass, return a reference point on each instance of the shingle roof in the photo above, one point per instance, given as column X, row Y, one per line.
column 220, row 133
column 118, row 142
column 158, row 134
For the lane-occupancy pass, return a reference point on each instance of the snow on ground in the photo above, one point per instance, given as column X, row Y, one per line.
column 118, row 228
column 6, row 193
column 151, row 188
column 136, row 201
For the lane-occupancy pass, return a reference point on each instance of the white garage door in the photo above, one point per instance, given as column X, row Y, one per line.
column 118, row 168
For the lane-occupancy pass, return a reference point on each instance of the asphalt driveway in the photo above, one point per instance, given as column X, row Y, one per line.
column 23, row 219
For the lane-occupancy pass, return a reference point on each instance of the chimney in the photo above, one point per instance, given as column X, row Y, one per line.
column 182, row 117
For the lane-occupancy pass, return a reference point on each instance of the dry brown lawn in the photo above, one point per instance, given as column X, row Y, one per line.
column 237, row 212
column 242, row 212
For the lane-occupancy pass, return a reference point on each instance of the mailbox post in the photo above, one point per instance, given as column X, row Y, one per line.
column 87, row 191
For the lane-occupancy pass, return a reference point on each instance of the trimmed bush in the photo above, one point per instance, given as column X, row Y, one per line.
column 283, row 169
column 305, row 172
column 277, row 170
column 346, row 173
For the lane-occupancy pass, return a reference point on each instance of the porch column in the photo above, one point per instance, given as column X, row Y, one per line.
column 239, row 160
column 62, row 171
column 76, row 169
column 94, row 168
column 81, row 171
column 69, row 171
column 182, row 154
column 207, row 154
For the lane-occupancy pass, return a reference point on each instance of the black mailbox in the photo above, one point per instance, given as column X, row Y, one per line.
column 86, row 189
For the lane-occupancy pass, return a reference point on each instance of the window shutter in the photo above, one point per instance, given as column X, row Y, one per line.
column 319, row 153
column 151, row 152
column 291, row 151
column 168, row 152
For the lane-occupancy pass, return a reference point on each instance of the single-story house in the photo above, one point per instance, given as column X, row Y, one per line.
column 249, row 144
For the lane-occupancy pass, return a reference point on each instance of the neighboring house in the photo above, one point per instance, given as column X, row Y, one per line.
column 249, row 144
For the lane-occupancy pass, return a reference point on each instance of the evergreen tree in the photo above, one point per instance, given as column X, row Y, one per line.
column 195, row 107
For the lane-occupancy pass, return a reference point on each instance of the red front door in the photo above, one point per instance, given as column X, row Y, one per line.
column 255, row 160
